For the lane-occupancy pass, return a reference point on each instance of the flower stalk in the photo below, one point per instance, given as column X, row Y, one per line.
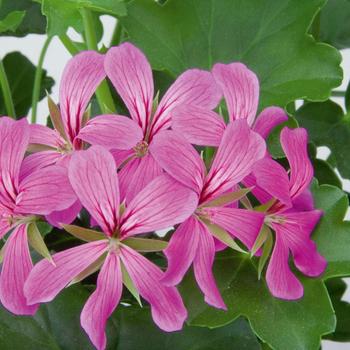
column 103, row 94
column 5, row 87
column 37, row 79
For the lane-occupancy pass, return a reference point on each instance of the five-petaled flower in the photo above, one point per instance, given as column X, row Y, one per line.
column 193, row 241
column 290, row 213
column 162, row 203
column 23, row 197
column 131, row 74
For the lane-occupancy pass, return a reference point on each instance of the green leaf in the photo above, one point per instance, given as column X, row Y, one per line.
column 11, row 21
column 20, row 73
column 286, row 325
column 332, row 233
column 145, row 244
column 62, row 14
column 54, row 327
column 269, row 36
column 328, row 126
column 273, row 141
column 325, row 174
column 136, row 329
column 334, row 23
column 347, row 97
column 32, row 22
column 83, row 233
column 336, row 289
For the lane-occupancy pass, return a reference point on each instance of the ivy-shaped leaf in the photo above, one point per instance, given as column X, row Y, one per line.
column 62, row 14
column 269, row 36
column 334, row 22
column 32, row 20
column 336, row 289
column 328, row 126
column 332, row 235
column 281, row 324
column 20, row 73
column 11, row 21
column 56, row 326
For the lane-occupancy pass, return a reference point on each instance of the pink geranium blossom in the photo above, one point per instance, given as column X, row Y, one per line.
column 131, row 74
column 193, row 242
column 240, row 87
column 21, row 199
column 291, row 215
column 81, row 76
column 162, row 203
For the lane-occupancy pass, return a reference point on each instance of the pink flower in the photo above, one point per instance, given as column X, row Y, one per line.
column 131, row 75
column 193, row 241
column 162, row 203
column 21, row 199
column 81, row 76
column 291, row 215
column 240, row 87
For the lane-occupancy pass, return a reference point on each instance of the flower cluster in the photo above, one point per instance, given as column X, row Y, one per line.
column 141, row 174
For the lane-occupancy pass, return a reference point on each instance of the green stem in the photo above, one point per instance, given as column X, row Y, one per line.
column 4, row 83
column 338, row 93
column 68, row 44
column 117, row 35
column 37, row 79
column 103, row 94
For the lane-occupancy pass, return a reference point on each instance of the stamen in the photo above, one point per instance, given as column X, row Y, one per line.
column 141, row 149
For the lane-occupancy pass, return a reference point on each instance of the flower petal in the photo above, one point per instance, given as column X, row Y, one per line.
column 122, row 156
column 136, row 175
column 81, row 76
column 14, row 138
column 93, row 176
column 44, row 191
column 240, row 87
column 37, row 161
column 273, row 178
column 179, row 159
column 103, row 301
column 203, row 265
column 128, row 69
column 294, row 144
column 181, row 251
column 296, row 233
column 198, row 125
column 16, row 266
column 168, row 310
column 241, row 223
column 47, row 280
column 111, row 131
column 42, row 135
column 239, row 149
column 304, row 202
column 66, row 216
column 281, row 281
column 268, row 119
column 161, row 204
column 194, row 87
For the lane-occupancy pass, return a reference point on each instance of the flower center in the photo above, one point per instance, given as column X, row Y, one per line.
column 65, row 148
column 114, row 244
column 141, row 149
column 274, row 218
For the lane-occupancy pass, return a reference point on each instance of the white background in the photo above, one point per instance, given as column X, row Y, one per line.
column 57, row 56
